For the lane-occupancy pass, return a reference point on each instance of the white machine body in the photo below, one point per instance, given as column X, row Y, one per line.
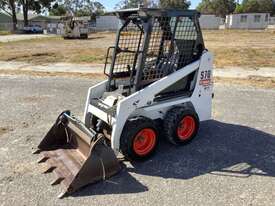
column 142, row 102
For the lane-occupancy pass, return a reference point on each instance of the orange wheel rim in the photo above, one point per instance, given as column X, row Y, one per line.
column 144, row 141
column 186, row 128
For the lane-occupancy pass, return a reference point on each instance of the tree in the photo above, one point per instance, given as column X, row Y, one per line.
column 126, row 4
column 251, row 6
column 91, row 8
column 224, row 7
column 35, row 5
column 99, row 9
column 58, row 10
column 206, row 7
column 9, row 7
column 218, row 7
column 25, row 8
column 84, row 7
column 262, row 6
column 238, row 9
column 175, row 4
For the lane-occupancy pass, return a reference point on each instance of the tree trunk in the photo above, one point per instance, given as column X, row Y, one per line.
column 14, row 18
column 25, row 12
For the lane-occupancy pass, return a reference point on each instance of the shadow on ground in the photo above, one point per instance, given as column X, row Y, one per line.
column 219, row 149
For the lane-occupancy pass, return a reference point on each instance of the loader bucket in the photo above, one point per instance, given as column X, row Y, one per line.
column 77, row 155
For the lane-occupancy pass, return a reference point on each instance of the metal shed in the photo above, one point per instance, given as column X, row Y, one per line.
column 210, row 21
column 107, row 23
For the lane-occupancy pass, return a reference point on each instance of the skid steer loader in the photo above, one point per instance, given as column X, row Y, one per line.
column 74, row 28
column 159, row 81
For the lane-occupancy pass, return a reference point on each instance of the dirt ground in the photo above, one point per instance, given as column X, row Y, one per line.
column 257, row 82
column 8, row 37
column 254, row 81
column 241, row 48
column 231, row 162
column 56, row 49
column 230, row 47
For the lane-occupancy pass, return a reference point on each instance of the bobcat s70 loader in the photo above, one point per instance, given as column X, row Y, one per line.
column 159, row 81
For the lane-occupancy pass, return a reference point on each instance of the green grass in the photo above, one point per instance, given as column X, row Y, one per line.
column 244, row 57
column 2, row 33
column 82, row 58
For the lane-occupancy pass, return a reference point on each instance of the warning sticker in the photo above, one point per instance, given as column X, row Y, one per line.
column 205, row 82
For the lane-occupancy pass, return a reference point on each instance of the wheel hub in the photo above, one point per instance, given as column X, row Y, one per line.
column 144, row 142
column 186, row 128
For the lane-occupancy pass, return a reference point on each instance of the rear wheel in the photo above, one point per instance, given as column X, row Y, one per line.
column 181, row 125
column 139, row 138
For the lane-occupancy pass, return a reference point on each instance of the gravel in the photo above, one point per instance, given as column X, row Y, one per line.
column 231, row 162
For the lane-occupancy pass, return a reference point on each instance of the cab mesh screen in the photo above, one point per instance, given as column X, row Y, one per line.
column 129, row 45
column 171, row 47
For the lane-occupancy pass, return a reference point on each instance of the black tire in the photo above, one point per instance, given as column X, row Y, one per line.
column 172, row 121
column 129, row 134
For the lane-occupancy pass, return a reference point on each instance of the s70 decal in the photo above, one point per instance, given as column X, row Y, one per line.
column 205, row 78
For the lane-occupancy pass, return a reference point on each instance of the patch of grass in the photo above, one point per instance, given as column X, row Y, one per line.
column 3, row 33
column 88, row 56
column 258, row 82
column 35, row 58
column 244, row 57
column 56, row 49
column 87, row 59
column 241, row 47
column 231, row 48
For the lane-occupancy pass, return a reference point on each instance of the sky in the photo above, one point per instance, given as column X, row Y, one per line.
column 110, row 4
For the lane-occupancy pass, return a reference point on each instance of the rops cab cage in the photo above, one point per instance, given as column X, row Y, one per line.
column 151, row 44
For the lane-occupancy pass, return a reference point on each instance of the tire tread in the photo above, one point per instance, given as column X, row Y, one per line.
column 171, row 122
column 132, row 126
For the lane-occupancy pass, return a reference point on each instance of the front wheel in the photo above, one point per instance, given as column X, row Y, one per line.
column 139, row 138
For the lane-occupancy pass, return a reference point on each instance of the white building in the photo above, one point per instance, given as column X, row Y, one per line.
column 210, row 21
column 247, row 21
column 272, row 20
column 271, row 24
column 107, row 23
